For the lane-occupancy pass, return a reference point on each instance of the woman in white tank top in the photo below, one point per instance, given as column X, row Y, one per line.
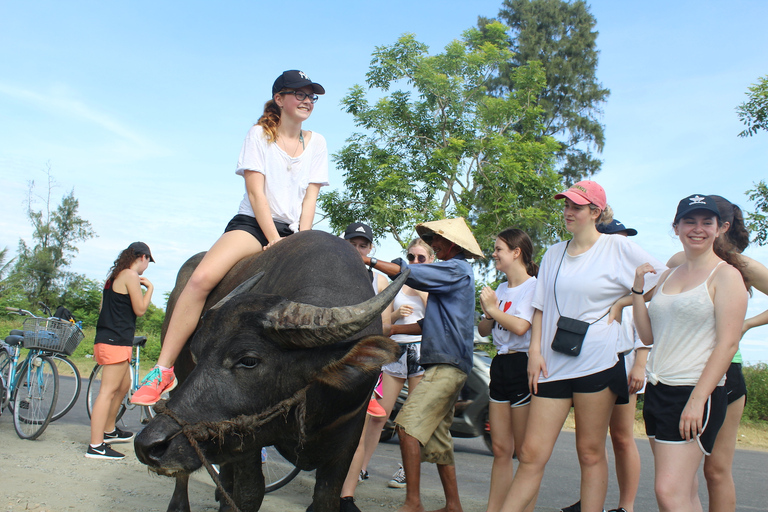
column 694, row 322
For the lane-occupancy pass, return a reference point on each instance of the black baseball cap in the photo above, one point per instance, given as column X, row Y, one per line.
column 295, row 79
column 141, row 248
column 614, row 227
column 359, row 229
column 696, row 202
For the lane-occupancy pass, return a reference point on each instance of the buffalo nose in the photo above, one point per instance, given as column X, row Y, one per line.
column 152, row 443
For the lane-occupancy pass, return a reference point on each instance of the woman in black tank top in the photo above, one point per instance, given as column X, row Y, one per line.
column 122, row 301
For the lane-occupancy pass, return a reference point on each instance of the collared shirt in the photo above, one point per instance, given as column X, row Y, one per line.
column 447, row 332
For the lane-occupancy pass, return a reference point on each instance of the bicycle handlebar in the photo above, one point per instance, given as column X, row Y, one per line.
column 21, row 312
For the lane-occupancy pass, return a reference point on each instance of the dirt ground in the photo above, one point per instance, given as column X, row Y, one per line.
column 51, row 474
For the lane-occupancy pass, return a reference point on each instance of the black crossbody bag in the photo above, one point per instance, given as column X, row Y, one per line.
column 570, row 333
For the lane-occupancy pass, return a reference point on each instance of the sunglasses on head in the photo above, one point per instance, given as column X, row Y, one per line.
column 421, row 258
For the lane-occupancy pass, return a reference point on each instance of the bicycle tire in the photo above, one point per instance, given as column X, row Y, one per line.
column 5, row 362
column 35, row 398
column 69, row 390
column 94, row 383
column 278, row 471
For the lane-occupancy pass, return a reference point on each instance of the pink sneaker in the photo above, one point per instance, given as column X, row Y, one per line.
column 153, row 386
column 376, row 410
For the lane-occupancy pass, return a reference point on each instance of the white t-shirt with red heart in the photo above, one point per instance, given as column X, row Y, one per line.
column 517, row 302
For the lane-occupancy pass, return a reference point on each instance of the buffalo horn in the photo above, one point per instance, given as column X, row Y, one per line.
column 297, row 325
column 243, row 287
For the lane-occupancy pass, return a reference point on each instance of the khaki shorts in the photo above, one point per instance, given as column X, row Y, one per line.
column 428, row 412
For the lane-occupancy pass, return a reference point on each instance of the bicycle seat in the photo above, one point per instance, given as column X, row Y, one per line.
column 14, row 339
column 139, row 341
column 16, row 332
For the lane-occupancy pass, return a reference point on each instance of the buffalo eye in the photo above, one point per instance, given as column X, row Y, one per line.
column 248, row 362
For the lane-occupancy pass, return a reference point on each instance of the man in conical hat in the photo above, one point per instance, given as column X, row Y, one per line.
column 447, row 334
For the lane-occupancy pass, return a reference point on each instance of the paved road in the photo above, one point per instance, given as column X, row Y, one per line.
column 473, row 464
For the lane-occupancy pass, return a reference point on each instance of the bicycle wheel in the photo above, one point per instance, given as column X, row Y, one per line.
column 94, row 383
column 5, row 362
column 69, row 385
column 277, row 470
column 37, row 389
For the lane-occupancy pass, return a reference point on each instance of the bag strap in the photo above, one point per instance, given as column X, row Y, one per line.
column 554, row 286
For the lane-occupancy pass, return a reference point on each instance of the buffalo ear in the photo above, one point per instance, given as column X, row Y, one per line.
column 366, row 357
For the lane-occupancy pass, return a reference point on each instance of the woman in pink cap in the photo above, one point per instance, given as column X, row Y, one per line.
column 283, row 167
column 576, row 352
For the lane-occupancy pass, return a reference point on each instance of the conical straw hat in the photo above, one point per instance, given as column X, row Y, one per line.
column 455, row 230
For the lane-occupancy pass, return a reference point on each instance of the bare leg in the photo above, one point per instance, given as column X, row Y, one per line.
column 350, row 483
column 507, row 431
column 112, row 382
column 717, row 467
column 626, row 452
column 450, row 488
column 546, row 417
column 391, row 387
column 675, row 469
column 410, row 450
column 117, row 400
column 592, row 412
column 230, row 248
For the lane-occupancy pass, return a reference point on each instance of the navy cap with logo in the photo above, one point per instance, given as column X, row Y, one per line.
column 141, row 248
column 614, row 227
column 295, row 79
column 696, row 202
column 359, row 229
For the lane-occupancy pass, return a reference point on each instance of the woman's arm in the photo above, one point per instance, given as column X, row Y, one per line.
column 308, row 207
column 254, row 186
column 536, row 364
column 490, row 304
column 636, row 377
column 640, row 312
column 133, row 282
column 757, row 274
column 730, row 300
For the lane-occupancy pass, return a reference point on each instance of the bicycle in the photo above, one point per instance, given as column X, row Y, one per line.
column 69, row 389
column 30, row 388
column 94, row 383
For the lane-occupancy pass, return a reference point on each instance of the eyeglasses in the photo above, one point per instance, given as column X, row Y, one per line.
column 420, row 257
column 301, row 95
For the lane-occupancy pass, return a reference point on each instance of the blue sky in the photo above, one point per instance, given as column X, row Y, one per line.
column 142, row 108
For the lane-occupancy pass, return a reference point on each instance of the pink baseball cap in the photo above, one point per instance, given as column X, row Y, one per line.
column 585, row 192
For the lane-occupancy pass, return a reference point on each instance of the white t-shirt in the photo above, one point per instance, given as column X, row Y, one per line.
column 516, row 302
column 587, row 286
column 286, row 178
column 418, row 313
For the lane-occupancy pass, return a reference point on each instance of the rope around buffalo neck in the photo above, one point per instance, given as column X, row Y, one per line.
column 242, row 425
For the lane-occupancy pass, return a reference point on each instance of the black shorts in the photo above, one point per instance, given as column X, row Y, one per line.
column 249, row 224
column 662, row 409
column 614, row 378
column 735, row 387
column 509, row 379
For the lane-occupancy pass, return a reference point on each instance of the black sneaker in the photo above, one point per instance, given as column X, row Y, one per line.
column 576, row 507
column 347, row 504
column 103, row 451
column 118, row 436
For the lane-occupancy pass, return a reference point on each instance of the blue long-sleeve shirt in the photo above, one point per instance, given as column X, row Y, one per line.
column 447, row 331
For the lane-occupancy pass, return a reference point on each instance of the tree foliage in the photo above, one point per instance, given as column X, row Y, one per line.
column 41, row 266
column 757, row 222
column 434, row 144
column 562, row 36
column 753, row 113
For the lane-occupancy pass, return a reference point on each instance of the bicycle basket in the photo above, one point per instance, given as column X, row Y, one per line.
column 51, row 335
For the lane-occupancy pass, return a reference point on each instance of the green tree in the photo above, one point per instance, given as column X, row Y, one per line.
column 757, row 222
column 562, row 36
column 435, row 144
column 754, row 112
column 40, row 268
column 82, row 296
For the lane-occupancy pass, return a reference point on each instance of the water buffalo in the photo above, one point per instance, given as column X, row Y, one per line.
column 293, row 331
